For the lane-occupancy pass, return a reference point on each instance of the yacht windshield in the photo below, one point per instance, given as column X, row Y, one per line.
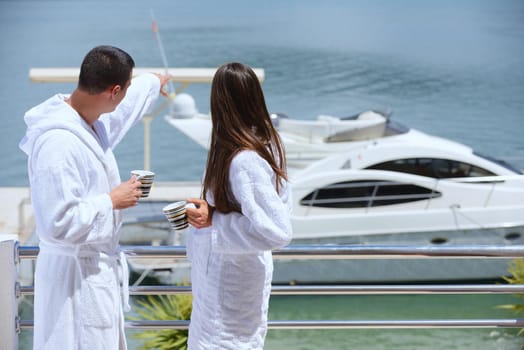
column 499, row 162
column 395, row 128
column 432, row 167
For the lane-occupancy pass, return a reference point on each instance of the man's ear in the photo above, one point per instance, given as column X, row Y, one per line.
column 115, row 90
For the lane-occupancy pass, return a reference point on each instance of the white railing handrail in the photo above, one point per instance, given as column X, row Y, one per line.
column 486, row 179
column 335, row 251
column 410, row 289
column 334, row 324
column 373, row 196
column 347, row 324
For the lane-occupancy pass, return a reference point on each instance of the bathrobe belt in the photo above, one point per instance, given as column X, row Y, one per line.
column 76, row 252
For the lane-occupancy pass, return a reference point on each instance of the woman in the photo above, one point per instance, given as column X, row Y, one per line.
column 245, row 185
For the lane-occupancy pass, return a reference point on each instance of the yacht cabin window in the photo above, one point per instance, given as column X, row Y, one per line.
column 367, row 193
column 433, row 167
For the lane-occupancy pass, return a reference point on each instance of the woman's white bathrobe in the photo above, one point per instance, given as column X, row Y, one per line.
column 231, row 262
column 78, row 302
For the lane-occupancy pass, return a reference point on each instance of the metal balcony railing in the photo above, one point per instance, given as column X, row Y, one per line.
column 11, row 253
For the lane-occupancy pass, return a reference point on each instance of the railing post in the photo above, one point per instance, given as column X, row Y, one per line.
column 8, row 304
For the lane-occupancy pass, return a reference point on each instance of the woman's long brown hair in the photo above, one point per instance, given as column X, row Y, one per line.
column 240, row 122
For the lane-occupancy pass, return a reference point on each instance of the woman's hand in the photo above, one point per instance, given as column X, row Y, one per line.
column 200, row 216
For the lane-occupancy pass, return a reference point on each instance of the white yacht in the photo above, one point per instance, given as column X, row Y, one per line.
column 369, row 180
column 368, row 175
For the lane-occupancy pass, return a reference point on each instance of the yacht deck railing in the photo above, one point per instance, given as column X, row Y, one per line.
column 11, row 254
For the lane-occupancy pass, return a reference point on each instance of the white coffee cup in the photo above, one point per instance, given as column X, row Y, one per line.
column 146, row 179
column 176, row 214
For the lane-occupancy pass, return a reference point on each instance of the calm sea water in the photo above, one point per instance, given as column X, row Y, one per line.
column 451, row 68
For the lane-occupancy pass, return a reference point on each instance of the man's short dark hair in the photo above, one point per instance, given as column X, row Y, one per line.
column 103, row 67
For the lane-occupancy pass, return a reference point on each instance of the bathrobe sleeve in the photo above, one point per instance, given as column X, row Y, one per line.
column 140, row 98
column 71, row 202
column 264, row 223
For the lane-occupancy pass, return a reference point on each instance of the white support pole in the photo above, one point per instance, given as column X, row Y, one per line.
column 8, row 303
column 147, row 119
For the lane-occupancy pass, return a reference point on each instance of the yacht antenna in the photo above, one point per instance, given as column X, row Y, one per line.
column 172, row 93
column 148, row 118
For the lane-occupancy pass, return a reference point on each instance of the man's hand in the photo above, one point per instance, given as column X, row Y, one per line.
column 202, row 215
column 164, row 79
column 126, row 194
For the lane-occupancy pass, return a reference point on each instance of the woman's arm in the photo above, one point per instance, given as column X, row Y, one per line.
column 264, row 223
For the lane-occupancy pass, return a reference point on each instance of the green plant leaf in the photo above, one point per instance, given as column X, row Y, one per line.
column 164, row 308
column 516, row 269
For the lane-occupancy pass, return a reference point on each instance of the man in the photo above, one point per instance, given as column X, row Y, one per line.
column 77, row 197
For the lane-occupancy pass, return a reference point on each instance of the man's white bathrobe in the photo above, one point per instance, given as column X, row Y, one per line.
column 231, row 262
column 72, row 169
